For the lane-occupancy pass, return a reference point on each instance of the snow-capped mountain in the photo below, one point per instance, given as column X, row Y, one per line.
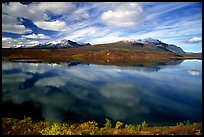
column 169, row 47
column 144, row 44
column 149, row 40
column 62, row 44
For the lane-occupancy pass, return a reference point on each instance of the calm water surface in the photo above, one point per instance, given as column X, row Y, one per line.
column 74, row 92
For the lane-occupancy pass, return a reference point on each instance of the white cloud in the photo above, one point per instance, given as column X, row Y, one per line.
column 57, row 8
column 193, row 72
column 195, row 40
column 35, row 12
column 6, row 19
column 9, row 20
column 84, row 21
column 6, row 39
column 8, row 42
column 80, row 13
column 34, row 36
column 17, row 29
column 12, row 25
column 108, row 38
column 51, row 81
column 31, row 43
column 82, row 33
column 16, row 9
column 124, row 15
column 52, row 25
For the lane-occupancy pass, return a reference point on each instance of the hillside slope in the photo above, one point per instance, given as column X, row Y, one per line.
column 146, row 44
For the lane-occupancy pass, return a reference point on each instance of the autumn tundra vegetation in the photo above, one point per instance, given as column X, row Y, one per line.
column 26, row 126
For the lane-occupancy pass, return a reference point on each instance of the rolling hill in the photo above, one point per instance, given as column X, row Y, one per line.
column 148, row 52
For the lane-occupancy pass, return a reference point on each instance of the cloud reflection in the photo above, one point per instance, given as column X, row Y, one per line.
column 193, row 72
column 83, row 92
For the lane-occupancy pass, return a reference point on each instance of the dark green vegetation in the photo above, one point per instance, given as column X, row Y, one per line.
column 11, row 126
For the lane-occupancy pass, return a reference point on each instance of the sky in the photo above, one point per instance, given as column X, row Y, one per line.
column 27, row 24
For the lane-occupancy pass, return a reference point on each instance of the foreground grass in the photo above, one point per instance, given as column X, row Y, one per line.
column 27, row 126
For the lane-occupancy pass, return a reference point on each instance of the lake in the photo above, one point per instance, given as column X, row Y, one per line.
column 73, row 92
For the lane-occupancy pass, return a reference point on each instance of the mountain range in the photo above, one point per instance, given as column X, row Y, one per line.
column 168, row 47
column 140, row 44
column 62, row 44
column 146, row 52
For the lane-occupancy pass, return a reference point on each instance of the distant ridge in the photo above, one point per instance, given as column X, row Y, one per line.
column 141, row 44
column 62, row 44
column 148, row 44
column 169, row 47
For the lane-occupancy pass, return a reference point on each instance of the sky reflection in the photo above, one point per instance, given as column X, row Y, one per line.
column 160, row 95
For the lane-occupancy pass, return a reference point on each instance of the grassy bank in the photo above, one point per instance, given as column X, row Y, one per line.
column 27, row 126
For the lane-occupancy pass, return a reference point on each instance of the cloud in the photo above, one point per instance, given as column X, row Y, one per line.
column 193, row 72
column 195, row 40
column 163, row 8
column 57, row 8
column 124, row 15
column 38, row 36
column 16, row 9
column 80, row 13
column 82, row 33
column 107, row 21
column 8, row 42
column 17, row 77
column 124, row 102
column 36, row 12
column 52, row 25
column 12, row 24
column 112, row 37
column 6, row 39
column 6, row 19
column 53, row 81
column 17, row 29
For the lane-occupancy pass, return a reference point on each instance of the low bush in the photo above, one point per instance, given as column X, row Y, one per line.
column 27, row 126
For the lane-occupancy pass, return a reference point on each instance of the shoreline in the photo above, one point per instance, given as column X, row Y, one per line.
column 92, row 55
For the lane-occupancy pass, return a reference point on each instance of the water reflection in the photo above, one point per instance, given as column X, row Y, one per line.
column 75, row 92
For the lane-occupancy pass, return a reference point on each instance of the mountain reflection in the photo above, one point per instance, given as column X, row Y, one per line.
column 76, row 92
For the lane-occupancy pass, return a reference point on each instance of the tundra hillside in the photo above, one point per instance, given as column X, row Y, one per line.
column 118, row 53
